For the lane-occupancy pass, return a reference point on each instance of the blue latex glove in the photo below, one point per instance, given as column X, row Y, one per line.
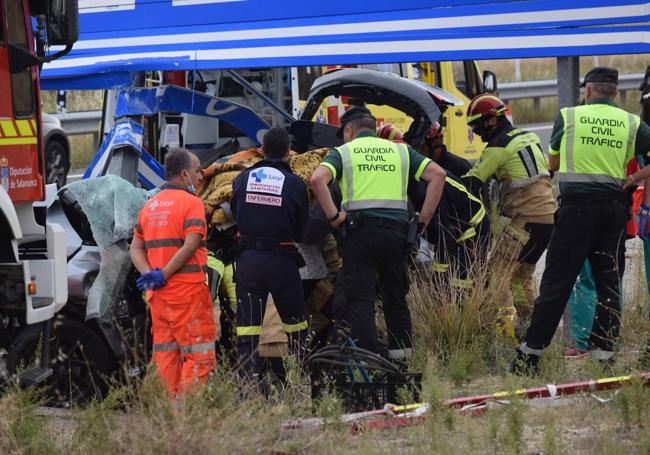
column 151, row 280
column 644, row 216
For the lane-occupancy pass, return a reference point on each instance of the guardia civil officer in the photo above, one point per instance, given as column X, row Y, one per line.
column 374, row 174
column 590, row 147
column 271, row 208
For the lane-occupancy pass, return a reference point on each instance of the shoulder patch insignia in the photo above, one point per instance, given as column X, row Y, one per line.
column 265, row 180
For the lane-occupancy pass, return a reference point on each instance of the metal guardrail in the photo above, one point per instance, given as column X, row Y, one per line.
column 84, row 122
column 87, row 122
column 540, row 89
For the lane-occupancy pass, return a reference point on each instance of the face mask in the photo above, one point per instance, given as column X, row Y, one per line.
column 190, row 186
column 482, row 130
column 478, row 130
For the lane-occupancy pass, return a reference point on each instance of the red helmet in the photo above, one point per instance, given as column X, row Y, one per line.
column 390, row 132
column 484, row 105
column 435, row 131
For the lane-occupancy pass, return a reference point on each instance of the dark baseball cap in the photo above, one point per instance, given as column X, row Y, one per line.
column 354, row 113
column 644, row 83
column 601, row 74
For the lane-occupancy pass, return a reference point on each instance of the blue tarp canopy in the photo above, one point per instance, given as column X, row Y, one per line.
column 119, row 37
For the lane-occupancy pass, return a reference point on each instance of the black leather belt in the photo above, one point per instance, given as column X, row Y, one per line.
column 596, row 196
column 264, row 244
column 383, row 222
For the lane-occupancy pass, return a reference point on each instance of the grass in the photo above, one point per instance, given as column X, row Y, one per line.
column 459, row 355
column 524, row 111
column 545, row 68
column 82, row 147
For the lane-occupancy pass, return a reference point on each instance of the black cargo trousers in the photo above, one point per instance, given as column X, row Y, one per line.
column 587, row 226
column 374, row 252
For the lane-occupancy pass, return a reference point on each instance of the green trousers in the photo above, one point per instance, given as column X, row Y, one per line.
column 583, row 300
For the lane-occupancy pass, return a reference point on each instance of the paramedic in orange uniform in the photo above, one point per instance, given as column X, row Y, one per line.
column 168, row 250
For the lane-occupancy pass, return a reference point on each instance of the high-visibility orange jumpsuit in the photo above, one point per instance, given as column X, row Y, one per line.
column 183, row 326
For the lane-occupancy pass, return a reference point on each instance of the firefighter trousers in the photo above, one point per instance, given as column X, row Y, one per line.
column 514, row 259
column 258, row 273
column 184, row 336
column 456, row 263
column 585, row 228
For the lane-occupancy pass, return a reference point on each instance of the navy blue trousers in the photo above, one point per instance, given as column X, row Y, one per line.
column 259, row 273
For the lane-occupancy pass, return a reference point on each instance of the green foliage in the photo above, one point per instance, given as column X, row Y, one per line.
column 465, row 365
column 515, row 426
column 633, row 402
column 551, row 436
column 21, row 430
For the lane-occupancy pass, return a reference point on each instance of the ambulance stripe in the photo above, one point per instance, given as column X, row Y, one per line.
column 32, row 123
column 8, row 127
column 23, row 128
column 18, row 140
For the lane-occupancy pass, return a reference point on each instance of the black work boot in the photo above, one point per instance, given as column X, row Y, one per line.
column 525, row 364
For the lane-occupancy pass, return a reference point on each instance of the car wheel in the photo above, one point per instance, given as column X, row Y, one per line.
column 57, row 163
column 21, row 351
column 79, row 360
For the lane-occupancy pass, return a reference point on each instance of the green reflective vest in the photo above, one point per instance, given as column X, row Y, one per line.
column 597, row 143
column 375, row 174
column 515, row 157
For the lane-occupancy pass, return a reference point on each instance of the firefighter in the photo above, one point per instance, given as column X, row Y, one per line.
column 271, row 208
column 590, row 147
column 461, row 231
column 374, row 175
column 515, row 156
column 459, row 235
column 433, row 147
column 168, row 249
column 391, row 133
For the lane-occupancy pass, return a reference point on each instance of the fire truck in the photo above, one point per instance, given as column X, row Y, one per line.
column 33, row 281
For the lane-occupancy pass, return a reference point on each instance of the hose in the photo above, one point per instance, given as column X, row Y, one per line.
column 351, row 356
